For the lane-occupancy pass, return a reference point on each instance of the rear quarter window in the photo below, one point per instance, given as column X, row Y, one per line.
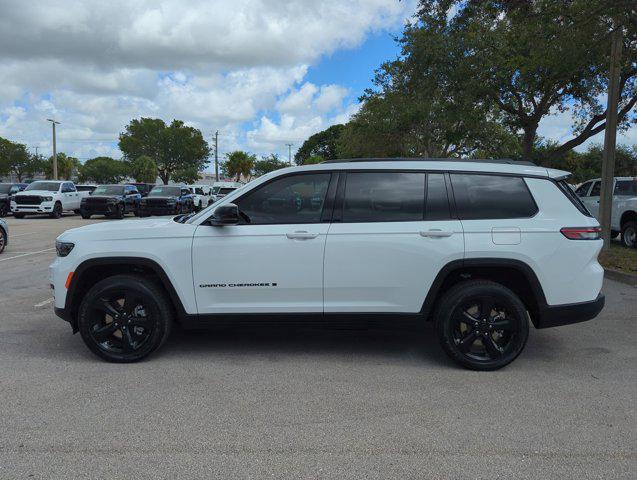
column 480, row 196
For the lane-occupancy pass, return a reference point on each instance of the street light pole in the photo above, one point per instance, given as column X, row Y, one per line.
column 55, row 154
column 289, row 153
column 610, row 137
column 217, row 156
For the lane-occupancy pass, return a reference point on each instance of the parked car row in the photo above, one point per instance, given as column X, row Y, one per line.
column 53, row 198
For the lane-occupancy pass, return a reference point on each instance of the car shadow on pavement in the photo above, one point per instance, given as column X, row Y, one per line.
column 404, row 344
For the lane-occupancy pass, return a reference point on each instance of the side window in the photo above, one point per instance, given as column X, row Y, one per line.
column 492, row 197
column 293, row 199
column 626, row 187
column 384, row 197
column 595, row 191
column 582, row 190
column 437, row 203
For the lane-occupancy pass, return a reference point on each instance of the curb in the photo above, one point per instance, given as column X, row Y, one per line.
column 622, row 277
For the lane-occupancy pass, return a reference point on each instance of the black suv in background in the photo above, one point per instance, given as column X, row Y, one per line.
column 167, row 200
column 7, row 190
column 143, row 188
column 111, row 200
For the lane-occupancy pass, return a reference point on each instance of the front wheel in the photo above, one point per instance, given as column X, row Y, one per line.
column 4, row 210
column 57, row 211
column 482, row 325
column 629, row 234
column 125, row 318
column 3, row 240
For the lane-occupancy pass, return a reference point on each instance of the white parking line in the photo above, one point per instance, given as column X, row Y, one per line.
column 13, row 235
column 27, row 254
column 42, row 304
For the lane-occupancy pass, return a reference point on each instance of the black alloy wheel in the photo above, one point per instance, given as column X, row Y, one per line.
column 57, row 211
column 482, row 325
column 119, row 211
column 4, row 210
column 125, row 318
column 3, row 240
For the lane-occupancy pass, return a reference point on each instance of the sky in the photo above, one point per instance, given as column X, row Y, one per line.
column 264, row 73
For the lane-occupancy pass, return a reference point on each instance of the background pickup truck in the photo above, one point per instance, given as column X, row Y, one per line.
column 624, row 216
column 51, row 197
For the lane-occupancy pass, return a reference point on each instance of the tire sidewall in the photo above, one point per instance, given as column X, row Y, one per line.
column 153, row 297
column 458, row 295
column 57, row 211
column 630, row 229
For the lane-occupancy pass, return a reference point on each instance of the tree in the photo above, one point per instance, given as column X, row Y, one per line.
column 178, row 150
column 533, row 59
column 103, row 170
column 143, row 169
column 268, row 164
column 324, row 144
column 238, row 165
column 15, row 159
column 68, row 167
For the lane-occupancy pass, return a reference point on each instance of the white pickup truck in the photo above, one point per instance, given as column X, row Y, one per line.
column 624, row 216
column 200, row 195
column 51, row 197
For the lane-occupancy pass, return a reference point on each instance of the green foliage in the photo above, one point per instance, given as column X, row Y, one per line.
column 15, row 159
column 68, row 167
column 314, row 159
column 143, row 169
column 103, row 170
column 268, row 164
column 179, row 151
column 238, row 165
column 323, row 144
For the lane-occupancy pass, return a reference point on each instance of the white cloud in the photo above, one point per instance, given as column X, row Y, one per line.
column 216, row 64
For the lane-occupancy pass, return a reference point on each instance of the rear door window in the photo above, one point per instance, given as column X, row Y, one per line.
column 595, row 191
column 384, row 197
column 481, row 196
column 582, row 190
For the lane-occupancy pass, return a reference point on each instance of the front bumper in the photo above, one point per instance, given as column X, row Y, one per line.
column 44, row 207
column 104, row 209
column 167, row 210
column 555, row 316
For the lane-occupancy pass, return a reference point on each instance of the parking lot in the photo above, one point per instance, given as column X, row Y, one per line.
column 255, row 403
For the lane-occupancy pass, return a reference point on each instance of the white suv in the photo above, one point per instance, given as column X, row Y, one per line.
column 479, row 248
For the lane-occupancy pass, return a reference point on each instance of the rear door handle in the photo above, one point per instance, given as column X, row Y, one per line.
column 435, row 233
column 301, row 235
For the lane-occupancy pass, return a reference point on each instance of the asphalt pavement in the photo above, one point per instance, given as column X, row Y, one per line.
column 305, row 403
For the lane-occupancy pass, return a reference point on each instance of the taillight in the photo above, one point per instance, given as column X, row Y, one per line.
column 582, row 233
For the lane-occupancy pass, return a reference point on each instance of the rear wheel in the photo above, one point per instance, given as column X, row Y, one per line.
column 629, row 234
column 57, row 211
column 482, row 325
column 125, row 318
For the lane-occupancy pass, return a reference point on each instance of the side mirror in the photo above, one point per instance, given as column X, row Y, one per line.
column 227, row 214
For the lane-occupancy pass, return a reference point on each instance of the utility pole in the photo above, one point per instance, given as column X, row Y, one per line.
column 289, row 153
column 610, row 137
column 217, row 156
column 55, row 153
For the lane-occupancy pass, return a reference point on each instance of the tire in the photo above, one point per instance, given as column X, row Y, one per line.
column 470, row 314
column 629, row 234
column 4, row 210
column 57, row 211
column 18, row 215
column 3, row 240
column 119, row 213
column 136, row 332
column 76, row 212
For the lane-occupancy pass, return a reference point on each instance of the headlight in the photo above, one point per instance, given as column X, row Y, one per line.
column 63, row 248
column 47, row 199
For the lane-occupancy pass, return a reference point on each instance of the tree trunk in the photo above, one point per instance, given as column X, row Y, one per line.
column 528, row 139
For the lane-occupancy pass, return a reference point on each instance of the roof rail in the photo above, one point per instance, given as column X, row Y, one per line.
column 412, row 159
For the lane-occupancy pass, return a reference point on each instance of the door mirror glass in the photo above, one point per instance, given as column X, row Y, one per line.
column 227, row 214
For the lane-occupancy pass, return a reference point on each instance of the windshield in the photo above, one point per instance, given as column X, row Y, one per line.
column 84, row 188
column 48, row 186
column 626, row 187
column 109, row 190
column 165, row 192
column 5, row 188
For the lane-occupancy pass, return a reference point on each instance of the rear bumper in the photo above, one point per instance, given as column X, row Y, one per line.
column 555, row 316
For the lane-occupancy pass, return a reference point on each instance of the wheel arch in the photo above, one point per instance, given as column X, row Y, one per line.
column 91, row 271
column 627, row 216
column 513, row 274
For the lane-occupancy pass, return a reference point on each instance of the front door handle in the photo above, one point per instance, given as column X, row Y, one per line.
column 435, row 233
column 301, row 235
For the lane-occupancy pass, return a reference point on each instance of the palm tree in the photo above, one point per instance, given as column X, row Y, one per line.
column 239, row 164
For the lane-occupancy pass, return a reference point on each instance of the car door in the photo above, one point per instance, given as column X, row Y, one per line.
column 272, row 262
column 70, row 197
column 391, row 234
